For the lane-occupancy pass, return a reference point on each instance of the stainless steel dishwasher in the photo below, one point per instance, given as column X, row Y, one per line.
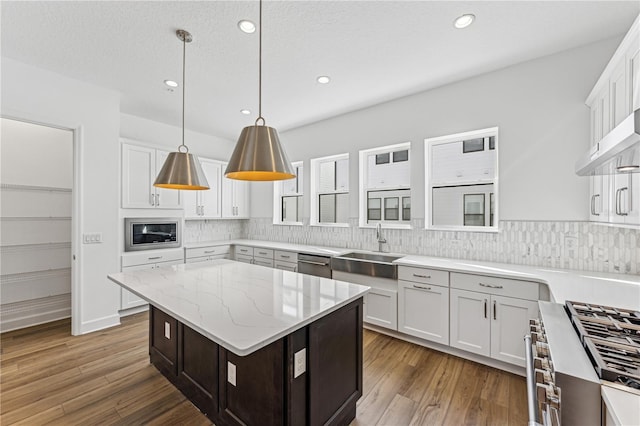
column 319, row 266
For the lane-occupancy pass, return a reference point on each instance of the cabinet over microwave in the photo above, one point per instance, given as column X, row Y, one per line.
column 150, row 234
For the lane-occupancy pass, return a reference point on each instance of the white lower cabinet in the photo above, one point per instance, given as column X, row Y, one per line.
column 152, row 259
column 490, row 325
column 423, row 311
column 381, row 308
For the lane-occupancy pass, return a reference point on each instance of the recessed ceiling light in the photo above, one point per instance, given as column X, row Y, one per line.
column 245, row 111
column 171, row 83
column 464, row 21
column 247, row 26
column 323, row 79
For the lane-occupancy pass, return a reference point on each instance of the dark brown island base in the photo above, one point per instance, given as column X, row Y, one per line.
column 264, row 387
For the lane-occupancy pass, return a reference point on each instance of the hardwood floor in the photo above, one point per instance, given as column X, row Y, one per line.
column 49, row 377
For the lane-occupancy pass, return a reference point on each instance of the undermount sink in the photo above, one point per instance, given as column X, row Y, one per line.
column 371, row 264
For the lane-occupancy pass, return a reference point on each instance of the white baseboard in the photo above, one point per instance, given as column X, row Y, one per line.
column 99, row 324
column 27, row 313
column 136, row 310
column 500, row 365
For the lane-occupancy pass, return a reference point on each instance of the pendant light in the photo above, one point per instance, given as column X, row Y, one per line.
column 258, row 154
column 182, row 170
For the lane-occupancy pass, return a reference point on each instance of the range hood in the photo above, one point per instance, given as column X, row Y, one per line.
column 617, row 152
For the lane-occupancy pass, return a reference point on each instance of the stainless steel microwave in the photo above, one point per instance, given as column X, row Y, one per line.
column 151, row 233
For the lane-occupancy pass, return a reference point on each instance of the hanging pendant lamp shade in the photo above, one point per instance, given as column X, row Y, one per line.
column 182, row 170
column 258, row 154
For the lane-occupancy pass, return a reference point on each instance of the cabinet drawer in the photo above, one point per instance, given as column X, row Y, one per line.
column 207, row 251
column 244, row 250
column 262, row 252
column 492, row 285
column 285, row 256
column 287, row 266
column 423, row 275
column 152, row 256
column 243, row 258
column 263, row 262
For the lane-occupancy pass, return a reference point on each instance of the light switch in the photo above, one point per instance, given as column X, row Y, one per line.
column 299, row 362
column 93, row 238
column 231, row 373
column 167, row 330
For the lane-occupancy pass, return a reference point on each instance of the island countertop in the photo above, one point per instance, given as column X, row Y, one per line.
column 239, row 306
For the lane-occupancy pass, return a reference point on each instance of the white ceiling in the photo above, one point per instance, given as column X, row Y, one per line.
column 374, row 51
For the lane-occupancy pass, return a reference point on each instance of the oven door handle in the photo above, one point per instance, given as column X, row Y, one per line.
column 532, row 402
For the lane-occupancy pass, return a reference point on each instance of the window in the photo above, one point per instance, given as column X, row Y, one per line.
column 330, row 190
column 287, row 198
column 461, row 174
column 385, row 186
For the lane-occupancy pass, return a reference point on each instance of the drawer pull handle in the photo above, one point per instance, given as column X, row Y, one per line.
column 489, row 285
column 262, row 252
column 154, row 257
column 285, row 257
column 421, row 288
column 209, row 251
column 422, row 276
column 244, row 250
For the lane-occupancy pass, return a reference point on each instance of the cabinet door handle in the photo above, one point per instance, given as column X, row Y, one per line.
column 595, row 212
column 157, row 199
column 153, row 200
column 421, row 287
column 485, row 308
column 593, row 205
column 295, row 268
column 422, row 276
column 489, row 285
column 617, row 201
column 495, row 317
column 623, row 213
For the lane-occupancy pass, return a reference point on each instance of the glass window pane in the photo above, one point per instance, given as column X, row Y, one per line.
column 473, row 145
column 342, row 208
column 391, row 207
column 374, row 209
column 342, row 175
column 327, row 204
column 327, row 176
column 382, row 158
column 473, row 209
column 290, row 209
column 399, row 156
column 406, row 208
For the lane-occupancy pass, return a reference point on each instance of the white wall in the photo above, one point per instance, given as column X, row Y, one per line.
column 42, row 96
column 538, row 106
column 169, row 137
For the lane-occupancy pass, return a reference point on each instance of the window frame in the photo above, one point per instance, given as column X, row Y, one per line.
column 278, row 195
column 364, row 188
column 428, row 181
column 314, row 179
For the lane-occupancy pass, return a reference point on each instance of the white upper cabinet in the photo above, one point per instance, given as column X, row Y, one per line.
column 205, row 204
column 616, row 95
column 140, row 166
column 235, row 198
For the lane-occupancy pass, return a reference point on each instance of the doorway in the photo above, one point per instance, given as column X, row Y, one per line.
column 36, row 223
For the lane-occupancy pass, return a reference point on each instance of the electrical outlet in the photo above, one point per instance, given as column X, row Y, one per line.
column 167, row 330
column 299, row 362
column 231, row 373
column 571, row 245
column 94, row 238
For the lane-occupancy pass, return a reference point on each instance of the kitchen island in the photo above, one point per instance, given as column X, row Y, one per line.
column 253, row 345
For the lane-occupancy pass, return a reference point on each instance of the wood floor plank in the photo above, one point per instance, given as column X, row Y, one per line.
column 48, row 377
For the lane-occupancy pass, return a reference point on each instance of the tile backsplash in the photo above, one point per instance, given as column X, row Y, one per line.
column 569, row 245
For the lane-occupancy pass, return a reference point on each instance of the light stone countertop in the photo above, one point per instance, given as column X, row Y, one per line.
column 622, row 405
column 239, row 306
column 617, row 290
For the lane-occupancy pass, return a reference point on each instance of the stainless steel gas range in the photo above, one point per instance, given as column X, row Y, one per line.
column 573, row 350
